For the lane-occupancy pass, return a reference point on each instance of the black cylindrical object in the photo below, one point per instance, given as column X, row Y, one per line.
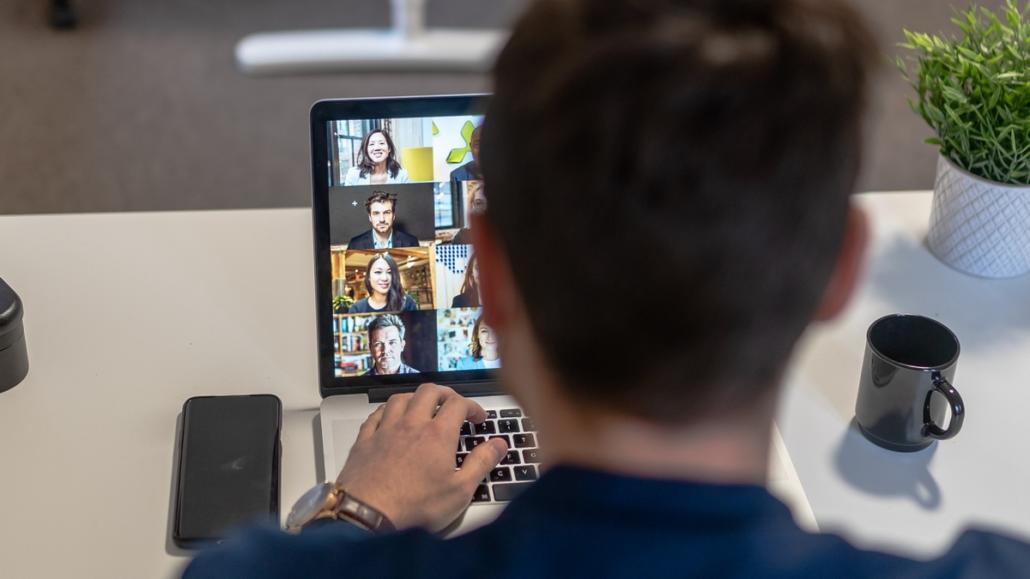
column 14, row 358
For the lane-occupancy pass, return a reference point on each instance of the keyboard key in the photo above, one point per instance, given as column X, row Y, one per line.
column 527, row 472
column 527, row 425
column 508, row 492
column 511, row 413
column 459, row 459
column 524, row 440
column 473, row 442
column 491, row 414
column 530, row 456
column 511, row 458
column 500, row 474
column 487, row 427
column 504, row 437
column 466, row 429
column 508, row 425
column 459, row 445
column 481, row 495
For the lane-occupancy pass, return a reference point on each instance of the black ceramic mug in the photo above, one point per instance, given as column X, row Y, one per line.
column 905, row 390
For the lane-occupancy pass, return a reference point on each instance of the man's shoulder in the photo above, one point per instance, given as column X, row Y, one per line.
column 361, row 241
column 462, row 172
column 404, row 239
column 651, row 548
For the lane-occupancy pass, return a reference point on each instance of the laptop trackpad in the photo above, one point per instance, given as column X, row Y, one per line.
column 345, row 432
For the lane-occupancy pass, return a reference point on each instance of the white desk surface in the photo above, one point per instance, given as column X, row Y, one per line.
column 916, row 502
column 127, row 315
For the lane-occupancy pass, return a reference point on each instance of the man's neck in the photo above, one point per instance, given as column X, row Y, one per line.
column 383, row 238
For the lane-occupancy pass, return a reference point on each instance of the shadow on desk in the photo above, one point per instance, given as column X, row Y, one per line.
column 886, row 473
column 316, row 431
column 173, row 489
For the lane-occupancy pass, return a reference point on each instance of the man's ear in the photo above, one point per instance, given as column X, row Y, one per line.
column 496, row 284
column 849, row 264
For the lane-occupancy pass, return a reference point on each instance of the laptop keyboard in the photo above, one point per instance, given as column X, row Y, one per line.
column 518, row 469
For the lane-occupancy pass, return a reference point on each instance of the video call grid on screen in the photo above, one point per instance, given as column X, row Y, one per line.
column 404, row 279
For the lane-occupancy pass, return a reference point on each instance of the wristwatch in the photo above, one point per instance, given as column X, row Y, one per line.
column 330, row 501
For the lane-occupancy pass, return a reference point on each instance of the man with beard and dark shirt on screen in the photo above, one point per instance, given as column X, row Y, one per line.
column 382, row 212
column 386, row 342
column 713, row 146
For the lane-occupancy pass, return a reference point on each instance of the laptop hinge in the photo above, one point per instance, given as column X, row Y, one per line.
column 489, row 388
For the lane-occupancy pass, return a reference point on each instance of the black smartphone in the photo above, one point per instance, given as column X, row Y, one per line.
column 228, row 466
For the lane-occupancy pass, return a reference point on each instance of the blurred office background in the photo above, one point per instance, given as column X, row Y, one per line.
column 141, row 107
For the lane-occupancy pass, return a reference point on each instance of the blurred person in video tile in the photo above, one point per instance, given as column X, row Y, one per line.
column 469, row 296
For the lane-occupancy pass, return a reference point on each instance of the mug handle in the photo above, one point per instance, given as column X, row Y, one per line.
column 958, row 409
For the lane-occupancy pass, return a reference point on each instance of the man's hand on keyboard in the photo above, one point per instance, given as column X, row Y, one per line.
column 403, row 460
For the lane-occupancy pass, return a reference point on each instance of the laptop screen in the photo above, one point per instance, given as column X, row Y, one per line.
column 402, row 274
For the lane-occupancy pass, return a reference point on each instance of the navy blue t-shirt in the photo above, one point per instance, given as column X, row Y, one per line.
column 583, row 523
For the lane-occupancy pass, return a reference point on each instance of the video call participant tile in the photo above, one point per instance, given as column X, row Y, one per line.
column 381, row 216
column 457, row 276
column 381, row 151
column 465, row 341
column 382, row 281
column 385, row 344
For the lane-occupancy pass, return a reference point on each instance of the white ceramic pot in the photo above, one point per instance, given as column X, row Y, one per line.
column 977, row 226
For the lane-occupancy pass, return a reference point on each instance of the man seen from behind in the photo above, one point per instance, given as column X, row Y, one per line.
column 713, row 146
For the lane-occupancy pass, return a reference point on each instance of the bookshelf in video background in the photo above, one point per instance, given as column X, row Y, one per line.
column 350, row 345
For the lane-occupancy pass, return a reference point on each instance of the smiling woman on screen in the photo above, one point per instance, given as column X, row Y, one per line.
column 483, row 349
column 377, row 162
column 383, row 284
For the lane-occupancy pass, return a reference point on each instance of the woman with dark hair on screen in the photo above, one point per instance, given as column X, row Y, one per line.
column 377, row 162
column 483, row 347
column 469, row 296
column 383, row 284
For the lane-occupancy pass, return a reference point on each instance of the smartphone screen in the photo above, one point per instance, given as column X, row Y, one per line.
column 228, row 466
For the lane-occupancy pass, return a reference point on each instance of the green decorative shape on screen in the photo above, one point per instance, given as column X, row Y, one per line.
column 458, row 154
column 436, row 130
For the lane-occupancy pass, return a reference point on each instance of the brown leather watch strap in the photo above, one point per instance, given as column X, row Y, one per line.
column 361, row 514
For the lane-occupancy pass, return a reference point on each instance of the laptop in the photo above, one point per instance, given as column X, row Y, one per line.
column 394, row 183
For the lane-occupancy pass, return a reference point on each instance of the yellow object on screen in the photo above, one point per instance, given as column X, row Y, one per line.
column 418, row 162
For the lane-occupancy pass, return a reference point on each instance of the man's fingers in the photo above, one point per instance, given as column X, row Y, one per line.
column 482, row 460
column 396, row 405
column 427, row 398
column 456, row 409
column 371, row 424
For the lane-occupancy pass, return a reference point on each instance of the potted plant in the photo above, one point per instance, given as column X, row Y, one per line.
column 974, row 92
column 341, row 302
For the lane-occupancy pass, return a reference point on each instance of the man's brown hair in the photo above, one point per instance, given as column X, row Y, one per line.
column 381, row 197
column 688, row 163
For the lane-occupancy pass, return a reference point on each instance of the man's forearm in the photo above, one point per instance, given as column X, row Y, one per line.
column 267, row 553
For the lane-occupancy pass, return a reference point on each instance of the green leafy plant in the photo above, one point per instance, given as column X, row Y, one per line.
column 974, row 91
column 342, row 300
